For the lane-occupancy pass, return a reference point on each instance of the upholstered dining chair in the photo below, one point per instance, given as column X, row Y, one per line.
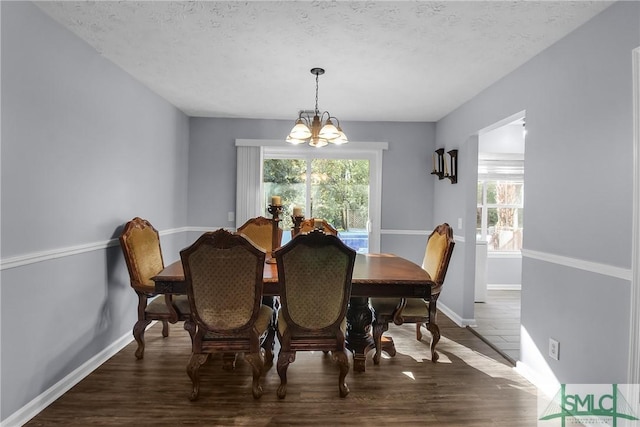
column 260, row 231
column 314, row 275
column 417, row 310
column 311, row 224
column 140, row 244
column 223, row 272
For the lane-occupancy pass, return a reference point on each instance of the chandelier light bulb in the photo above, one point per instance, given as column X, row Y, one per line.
column 295, row 141
column 341, row 139
column 329, row 131
column 318, row 142
column 300, row 130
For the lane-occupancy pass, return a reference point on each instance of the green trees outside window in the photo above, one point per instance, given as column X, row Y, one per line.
column 336, row 190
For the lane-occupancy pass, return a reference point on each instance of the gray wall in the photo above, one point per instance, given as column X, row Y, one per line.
column 407, row 187
column 578, row 100
column 504, row 270
column 84, row 149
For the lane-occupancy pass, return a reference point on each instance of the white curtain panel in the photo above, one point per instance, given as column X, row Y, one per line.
column 248, row 183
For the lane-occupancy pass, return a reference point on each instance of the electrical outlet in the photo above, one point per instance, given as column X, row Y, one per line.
column 554, row 349
column 231, row 216
column 459, row 223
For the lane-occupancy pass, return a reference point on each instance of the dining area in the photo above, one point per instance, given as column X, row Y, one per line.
column 314, row 311
column 241, row 292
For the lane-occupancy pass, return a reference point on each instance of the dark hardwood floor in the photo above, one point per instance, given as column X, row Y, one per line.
column 471, row 385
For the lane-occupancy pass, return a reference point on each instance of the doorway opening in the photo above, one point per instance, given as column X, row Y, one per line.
column 499, row 234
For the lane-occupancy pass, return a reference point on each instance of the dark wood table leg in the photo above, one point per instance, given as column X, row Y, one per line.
column 359, row 339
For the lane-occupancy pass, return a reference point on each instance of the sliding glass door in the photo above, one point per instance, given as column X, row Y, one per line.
column 337, row 187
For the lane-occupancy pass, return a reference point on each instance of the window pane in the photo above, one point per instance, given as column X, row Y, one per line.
column 508, row 193
column 491, row 192
column 340, row 192
column 340, row 195
column 521, row 218
column 503, row 232
column 285, row 178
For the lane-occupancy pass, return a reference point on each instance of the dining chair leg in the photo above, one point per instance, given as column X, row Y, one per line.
column 257, row 364
column 284, row 359
column 432, row 326
column 138, row 335
column 418, row 331
column 165, row 328
column 343, row 362
column 193, row 370
column 435, row 337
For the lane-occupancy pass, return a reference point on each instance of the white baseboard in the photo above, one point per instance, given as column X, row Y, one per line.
column 40, row 402
column 454, row 316
column 505, row 287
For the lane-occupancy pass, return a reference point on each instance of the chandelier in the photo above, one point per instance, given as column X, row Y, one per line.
column 318, row 130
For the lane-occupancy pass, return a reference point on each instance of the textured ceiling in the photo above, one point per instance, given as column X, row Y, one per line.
column 395, row 60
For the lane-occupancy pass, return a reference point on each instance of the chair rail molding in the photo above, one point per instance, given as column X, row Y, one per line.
column 405, row 232
column 40, row 256
column 581, row 264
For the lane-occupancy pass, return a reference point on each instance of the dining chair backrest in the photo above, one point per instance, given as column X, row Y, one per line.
column 260, row 231
column 315, row 271
column 223, row 272
column 438, row 253
column 140, row 244
column 311, row 224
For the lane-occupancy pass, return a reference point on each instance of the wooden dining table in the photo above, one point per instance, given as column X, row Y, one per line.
column 374, row 275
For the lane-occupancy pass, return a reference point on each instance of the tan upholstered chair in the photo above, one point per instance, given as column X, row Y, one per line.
column 260, row 231
column 314, row 274
column 140, row 244
column 416, row 310
column 223, row 272
column 310, row 224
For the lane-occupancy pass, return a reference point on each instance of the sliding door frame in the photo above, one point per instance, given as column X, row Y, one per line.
column 371, row 151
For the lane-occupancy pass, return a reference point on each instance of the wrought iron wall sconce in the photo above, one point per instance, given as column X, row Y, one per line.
column 443, row 167
column 438, row 163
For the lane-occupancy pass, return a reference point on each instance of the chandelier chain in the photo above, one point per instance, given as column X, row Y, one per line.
column 317, row 111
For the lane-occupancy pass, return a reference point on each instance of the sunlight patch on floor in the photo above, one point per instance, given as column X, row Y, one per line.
column 449, row 351
column 409, row 374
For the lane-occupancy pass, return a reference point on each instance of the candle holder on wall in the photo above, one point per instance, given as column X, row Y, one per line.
column 444, row 167
column 452, row 173
column 438, row 163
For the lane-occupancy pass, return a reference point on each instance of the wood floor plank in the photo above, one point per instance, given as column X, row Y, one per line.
column 471, row 385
